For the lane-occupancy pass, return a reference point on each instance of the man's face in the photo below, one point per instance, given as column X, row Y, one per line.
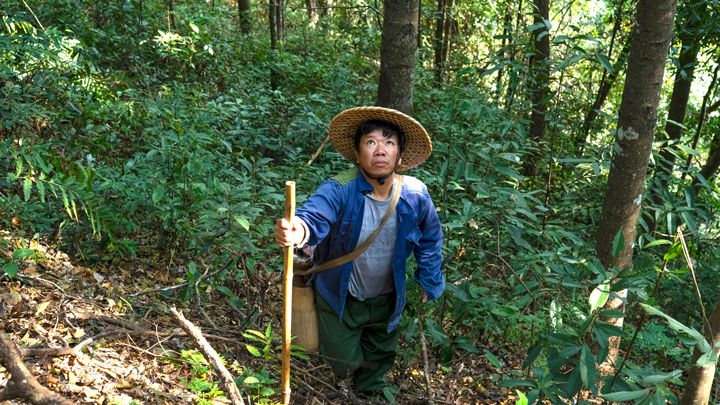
column 377, row 154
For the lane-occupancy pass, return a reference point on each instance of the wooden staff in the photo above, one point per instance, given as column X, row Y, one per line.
column 287, row 299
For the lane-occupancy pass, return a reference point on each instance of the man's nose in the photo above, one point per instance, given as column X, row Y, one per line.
column 380, row 151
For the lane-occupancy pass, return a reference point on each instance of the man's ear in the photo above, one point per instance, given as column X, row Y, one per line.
column 357, row 156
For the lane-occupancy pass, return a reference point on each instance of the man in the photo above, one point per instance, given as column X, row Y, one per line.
column 359, row 303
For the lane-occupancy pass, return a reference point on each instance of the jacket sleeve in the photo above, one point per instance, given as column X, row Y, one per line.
column 321, row 210
column 428, row 252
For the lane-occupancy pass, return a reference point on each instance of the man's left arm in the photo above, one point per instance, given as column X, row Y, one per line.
column 428, row 253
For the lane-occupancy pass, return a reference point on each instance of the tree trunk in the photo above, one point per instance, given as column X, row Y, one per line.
column 539, row 82
column 676, row 112
column 281, row 17
column 244, row 12
column 419, row 29
column 704, row 112
column 325, row 7
column 439, row 30
column 700, row 379
column 707, row 170
column 603, row 92
column 501, row 54
column 312, row 10
column 450, row 30
column 633, row 143
column 171, row 15
column 397, row 55
column 512, row 84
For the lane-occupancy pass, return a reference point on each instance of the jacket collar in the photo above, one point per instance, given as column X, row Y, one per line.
column 403, row 206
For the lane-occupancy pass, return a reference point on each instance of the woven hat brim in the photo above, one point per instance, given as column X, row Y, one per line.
column 418, row 145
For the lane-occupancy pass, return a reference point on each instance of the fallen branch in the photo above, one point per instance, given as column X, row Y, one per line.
column 22, row 384
column 67, row 350
column 230, row 388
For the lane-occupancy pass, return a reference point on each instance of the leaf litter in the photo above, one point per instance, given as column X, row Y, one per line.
column 132, row 352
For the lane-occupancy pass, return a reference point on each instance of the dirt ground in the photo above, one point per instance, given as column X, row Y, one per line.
column 97, row 335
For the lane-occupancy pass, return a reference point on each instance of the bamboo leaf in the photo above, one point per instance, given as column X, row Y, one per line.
column 27, row 187
column 618, row 243
column 588, row 372
column 624, row 396
column 604, row 61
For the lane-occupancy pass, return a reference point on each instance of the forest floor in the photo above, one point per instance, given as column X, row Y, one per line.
column 132, row 349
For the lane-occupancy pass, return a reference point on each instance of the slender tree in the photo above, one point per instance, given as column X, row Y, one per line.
column 501, row 54
column 700, row 379
column 677, row 108
column 244, row 12
column 705, row 111
column 397, row 55
column 606, row 85
column 539, row 82
column 437, row 41
column 633, row 142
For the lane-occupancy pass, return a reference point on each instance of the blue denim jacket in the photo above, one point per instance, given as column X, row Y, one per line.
column 333, row 216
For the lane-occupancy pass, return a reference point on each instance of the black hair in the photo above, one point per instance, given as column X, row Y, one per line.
column 387, row 129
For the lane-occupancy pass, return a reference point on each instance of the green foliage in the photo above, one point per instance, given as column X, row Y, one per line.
column 128, row 135
column 207, row 392
column 258, row 384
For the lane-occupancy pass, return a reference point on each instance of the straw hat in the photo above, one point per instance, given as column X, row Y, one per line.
column 417, row 142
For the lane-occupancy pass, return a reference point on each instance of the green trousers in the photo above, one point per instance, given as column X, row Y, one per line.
column 359, row 344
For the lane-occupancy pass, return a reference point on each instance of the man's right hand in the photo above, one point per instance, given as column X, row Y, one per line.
column 287, row 234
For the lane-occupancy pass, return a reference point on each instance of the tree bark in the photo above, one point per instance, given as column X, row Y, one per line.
column 539, row 83
column 676, row 112
column 700, row 379
column 397, row 55
column 244, row 12
column 633, row 142
column 603, row 92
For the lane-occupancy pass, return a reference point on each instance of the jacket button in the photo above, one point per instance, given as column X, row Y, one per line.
column 349, row 228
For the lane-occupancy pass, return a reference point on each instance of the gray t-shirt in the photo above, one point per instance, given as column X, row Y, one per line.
column 372, row 273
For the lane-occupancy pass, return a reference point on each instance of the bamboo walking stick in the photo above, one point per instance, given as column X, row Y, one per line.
column 287, row 299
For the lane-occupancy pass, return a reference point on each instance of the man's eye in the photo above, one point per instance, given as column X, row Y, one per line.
column 390, row 143
column 371, row 142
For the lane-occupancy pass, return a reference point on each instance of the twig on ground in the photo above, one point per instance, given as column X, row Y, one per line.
column 181, row 285
column 22, row 384
column 307, row 373
column 308, row 386
column 67, row 350
column 42, row 280
column 86, row 316
column 426, row 364
column 226, row 379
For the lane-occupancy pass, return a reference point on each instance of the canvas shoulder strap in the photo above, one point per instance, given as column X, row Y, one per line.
column 397, row 189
